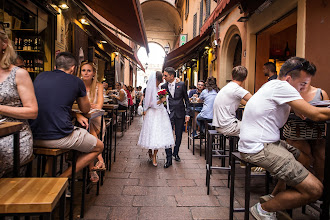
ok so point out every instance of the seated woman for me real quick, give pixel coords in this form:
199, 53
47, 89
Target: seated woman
17, 104
207, 97
121, 97
309, 137
87, 72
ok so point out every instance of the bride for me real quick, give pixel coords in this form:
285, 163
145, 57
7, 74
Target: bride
156, 132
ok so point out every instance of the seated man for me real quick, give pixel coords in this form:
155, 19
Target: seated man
260, 144
207, 97
56, 91
227, 102
269, 70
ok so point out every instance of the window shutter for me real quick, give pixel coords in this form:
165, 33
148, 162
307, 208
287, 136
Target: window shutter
201, 15
208, 8
187, 9
195, 25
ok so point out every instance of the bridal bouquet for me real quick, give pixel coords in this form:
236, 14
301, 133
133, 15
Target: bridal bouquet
161, 94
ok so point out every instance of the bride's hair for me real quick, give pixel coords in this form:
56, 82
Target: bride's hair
159, 76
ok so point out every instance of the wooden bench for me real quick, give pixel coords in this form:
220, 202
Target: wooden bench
32, 196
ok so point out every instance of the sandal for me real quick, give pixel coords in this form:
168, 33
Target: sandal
154, 160
99, 166
94, 177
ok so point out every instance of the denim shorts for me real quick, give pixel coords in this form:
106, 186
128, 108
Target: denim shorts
280, 159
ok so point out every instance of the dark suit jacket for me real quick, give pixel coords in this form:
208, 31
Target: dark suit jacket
179, 103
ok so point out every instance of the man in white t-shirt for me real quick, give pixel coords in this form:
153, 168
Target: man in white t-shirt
264, 115
227, 102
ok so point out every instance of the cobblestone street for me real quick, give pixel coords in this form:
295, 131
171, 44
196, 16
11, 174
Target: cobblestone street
135, 189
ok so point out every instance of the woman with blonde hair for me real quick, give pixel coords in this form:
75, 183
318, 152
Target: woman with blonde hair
87, 72
17, 104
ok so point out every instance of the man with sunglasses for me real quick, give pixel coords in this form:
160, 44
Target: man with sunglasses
264, 115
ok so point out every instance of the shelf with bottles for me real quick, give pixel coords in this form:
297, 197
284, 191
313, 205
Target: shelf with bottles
34, 65
28, 44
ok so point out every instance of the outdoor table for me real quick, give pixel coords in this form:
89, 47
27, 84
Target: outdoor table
111, 108
13, 128
32, 196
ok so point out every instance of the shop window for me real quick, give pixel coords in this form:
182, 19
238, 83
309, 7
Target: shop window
195, 25
31, 33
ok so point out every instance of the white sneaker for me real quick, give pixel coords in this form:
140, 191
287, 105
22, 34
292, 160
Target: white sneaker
262, 216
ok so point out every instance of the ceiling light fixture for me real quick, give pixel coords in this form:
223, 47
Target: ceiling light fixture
63, 5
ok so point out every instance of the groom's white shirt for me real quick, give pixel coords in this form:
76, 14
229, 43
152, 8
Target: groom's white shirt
171, 87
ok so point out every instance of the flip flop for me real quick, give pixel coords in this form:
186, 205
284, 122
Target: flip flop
99, 166
94, 177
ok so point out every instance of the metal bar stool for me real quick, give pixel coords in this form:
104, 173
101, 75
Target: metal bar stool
237, 156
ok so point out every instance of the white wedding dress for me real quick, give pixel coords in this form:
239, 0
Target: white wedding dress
156, 132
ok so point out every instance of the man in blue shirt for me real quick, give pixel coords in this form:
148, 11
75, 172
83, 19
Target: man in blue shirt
56, 92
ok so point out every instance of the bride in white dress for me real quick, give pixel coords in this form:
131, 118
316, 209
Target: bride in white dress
156, 132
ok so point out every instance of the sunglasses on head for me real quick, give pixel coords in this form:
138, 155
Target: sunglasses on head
301, 66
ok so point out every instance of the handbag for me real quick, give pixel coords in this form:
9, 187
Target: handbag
140, 110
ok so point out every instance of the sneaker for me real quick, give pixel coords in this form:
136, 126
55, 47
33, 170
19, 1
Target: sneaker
262, 216
265, 198
281, 215
68, 193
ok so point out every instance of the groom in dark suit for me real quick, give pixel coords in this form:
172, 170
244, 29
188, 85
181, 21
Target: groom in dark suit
178, 103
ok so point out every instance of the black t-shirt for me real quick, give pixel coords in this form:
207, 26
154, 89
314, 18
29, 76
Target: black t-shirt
55, 91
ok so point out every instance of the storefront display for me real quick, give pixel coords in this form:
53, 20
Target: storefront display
26, 25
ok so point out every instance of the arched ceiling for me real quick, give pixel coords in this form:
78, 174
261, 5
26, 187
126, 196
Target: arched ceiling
162, 21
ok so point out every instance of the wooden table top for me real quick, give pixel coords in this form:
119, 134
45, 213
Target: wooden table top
110, 106
7, 128
30, 195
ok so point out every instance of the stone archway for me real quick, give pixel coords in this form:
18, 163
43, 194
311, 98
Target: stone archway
231, 52
162, 22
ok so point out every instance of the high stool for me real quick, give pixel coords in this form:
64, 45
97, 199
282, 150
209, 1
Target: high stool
201, 138
108, 143
41, 154
237, 156
123, 120
220, 152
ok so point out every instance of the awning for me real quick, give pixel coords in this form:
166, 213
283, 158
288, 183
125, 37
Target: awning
125, 15
184, 53
115, 42
226, 6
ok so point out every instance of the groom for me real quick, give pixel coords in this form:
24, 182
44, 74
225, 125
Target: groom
178, 103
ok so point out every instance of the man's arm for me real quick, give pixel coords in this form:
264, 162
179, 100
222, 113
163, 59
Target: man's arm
246, 98
84, 104
314, 113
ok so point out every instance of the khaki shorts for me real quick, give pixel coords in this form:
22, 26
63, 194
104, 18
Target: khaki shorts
80, 139
280, 159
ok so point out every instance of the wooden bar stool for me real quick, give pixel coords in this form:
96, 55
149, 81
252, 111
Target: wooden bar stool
237, 156
32, 196
53, 153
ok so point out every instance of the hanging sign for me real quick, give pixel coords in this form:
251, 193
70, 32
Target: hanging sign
183, 39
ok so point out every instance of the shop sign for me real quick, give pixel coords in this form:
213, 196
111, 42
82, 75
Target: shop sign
183, 39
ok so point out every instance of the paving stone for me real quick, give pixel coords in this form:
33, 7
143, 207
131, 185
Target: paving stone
182, 182
197, 191
97, 212
135, 190
122, 182
206, 200
164, 191
108, 189
164, 213
210, 213
153, 182
154, 201
115, 175
124, 213
114, 200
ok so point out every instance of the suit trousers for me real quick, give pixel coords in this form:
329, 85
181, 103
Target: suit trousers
178, 125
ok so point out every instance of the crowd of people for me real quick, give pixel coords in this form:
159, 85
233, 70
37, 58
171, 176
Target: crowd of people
45, 108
